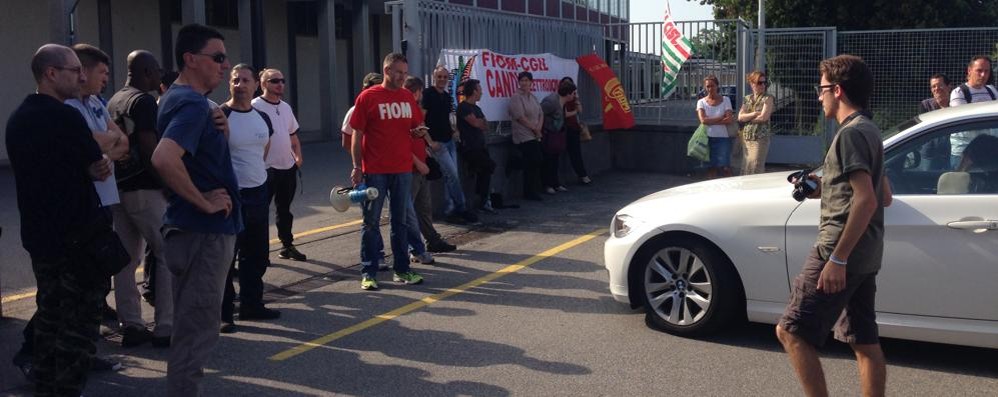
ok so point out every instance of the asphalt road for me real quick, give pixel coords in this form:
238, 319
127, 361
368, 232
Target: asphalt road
522, 308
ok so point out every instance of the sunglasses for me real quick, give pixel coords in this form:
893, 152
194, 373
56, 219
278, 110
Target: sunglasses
218, 58
762, 82
275, 81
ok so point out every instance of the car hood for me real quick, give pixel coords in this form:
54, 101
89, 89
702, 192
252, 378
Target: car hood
772, 184
718, 207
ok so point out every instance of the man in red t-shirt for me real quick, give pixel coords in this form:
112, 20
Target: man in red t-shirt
384, 120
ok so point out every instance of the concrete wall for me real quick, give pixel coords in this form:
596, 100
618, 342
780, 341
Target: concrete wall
24, 27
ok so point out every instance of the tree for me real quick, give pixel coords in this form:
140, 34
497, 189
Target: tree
877, 14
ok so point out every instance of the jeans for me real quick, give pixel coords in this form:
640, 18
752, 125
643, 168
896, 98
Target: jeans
574, 144
453, 193
412, 230
531, 156
252, 250
397, 188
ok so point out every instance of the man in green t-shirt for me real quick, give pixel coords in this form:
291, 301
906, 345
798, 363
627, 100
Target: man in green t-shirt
837, 285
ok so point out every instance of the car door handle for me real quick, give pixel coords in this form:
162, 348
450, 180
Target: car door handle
974, 225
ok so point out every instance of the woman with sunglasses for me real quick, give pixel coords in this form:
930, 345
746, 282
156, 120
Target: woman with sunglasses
755, 112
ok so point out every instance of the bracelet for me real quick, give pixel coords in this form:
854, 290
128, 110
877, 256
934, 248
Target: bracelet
356, 167
837, 261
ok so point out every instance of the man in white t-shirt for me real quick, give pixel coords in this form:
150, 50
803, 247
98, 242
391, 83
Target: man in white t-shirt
249, 141
284, 158
974, 90
114, 144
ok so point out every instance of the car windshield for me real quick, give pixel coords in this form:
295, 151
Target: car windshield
901, 127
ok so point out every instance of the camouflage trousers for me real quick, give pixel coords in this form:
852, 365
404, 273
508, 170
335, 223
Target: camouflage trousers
66, 322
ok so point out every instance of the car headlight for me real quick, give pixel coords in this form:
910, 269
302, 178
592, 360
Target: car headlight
622, 225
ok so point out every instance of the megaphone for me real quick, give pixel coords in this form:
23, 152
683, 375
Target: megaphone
341, 197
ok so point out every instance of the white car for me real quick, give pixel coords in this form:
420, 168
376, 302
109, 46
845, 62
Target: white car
701, 255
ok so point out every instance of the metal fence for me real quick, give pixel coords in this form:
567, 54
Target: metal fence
439, 26
903, 60
792, 58
635, 55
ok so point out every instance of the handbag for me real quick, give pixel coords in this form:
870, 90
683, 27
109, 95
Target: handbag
698, 147
584, 134
102, 245
732, 129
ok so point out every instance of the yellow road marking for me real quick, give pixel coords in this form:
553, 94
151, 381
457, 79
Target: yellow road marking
31, 294
320, 230
419, 304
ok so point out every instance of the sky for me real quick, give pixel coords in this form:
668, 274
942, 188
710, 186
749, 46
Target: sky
682, 10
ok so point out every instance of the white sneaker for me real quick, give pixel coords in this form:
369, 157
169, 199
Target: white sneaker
549, 190
561, 189
425, 258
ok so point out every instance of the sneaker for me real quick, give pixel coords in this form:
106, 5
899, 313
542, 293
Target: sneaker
409, 277
290, 252
258, 313
368, 283
150, 297
425, 258
561, 188
585, 180
487, 208
549, 190
227, 328
132, 336
440, 246
100, 364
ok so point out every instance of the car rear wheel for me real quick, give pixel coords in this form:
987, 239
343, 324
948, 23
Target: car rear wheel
687, 287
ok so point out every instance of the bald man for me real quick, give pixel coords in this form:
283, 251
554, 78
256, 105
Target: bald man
55, 161
139, 217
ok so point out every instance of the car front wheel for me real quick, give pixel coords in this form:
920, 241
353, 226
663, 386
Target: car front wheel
688, 288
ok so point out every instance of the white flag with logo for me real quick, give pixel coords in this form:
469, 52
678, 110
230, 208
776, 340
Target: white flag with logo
676, 49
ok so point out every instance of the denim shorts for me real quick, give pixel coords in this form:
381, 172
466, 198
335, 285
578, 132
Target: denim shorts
720, 151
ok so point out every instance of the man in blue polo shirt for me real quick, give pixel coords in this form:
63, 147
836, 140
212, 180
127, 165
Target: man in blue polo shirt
203, 216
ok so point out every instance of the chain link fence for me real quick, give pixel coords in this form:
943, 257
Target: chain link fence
792, 57
903, 60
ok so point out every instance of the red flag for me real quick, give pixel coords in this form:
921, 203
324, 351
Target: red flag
616, 109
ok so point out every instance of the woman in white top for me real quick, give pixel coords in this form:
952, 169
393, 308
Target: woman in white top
716, 113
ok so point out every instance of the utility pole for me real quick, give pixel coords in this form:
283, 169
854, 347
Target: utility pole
760, 58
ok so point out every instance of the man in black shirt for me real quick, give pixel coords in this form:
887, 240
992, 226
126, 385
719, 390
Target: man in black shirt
140, 215
472, 125
438, 105
55, 161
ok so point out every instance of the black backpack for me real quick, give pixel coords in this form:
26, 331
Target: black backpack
965, 90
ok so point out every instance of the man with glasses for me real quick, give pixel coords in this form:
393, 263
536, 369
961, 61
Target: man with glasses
55, 161
837, 286
284, 158
439, 106
204, 214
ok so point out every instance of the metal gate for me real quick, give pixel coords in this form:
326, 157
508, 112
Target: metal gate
635, 56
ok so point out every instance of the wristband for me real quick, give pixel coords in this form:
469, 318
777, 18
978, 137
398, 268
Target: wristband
837, 261
356, 167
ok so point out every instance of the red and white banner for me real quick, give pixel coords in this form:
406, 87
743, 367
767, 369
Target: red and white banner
616, 108
497, 72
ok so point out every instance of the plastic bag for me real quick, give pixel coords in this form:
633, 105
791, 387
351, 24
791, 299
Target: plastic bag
697, 147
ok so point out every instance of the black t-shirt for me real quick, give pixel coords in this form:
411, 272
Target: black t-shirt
134, 110
438, 106
50, 148
472, 138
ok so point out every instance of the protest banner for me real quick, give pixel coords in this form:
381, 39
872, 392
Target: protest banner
497, 73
